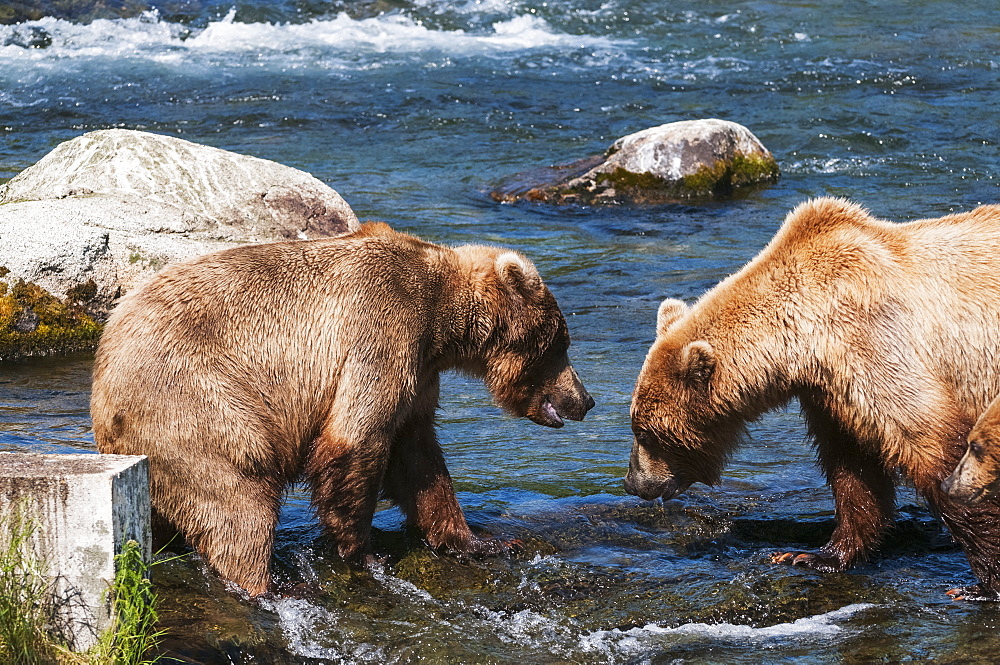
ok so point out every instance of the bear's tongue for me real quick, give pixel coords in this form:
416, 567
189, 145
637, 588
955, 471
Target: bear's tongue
551, 411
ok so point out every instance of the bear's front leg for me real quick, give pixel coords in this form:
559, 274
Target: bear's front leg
864, 496
975, 527
418, 481
345, 473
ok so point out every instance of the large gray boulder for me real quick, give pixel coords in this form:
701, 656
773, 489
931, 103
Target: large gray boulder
676, 161
102, 212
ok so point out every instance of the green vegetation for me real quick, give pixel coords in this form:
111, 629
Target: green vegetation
24, 595
726, 175
35, 322
133, 633
26, 606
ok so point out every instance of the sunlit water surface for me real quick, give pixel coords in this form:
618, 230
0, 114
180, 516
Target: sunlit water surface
412, 111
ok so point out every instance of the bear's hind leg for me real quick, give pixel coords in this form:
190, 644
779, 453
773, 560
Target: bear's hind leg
864, 495
418, 481
231, 526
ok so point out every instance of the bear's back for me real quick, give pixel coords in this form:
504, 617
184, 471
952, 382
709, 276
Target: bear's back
253, 293
258, 333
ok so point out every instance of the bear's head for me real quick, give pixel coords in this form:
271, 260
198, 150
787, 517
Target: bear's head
977, 475
682, 434
522, 342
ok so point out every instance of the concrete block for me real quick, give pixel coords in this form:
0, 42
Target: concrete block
86, 507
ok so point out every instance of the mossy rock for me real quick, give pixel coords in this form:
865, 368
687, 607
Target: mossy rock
33, 322
719, 180
441, 574
677, 162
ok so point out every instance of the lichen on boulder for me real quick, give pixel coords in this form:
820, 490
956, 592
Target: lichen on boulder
679, 161
34, 322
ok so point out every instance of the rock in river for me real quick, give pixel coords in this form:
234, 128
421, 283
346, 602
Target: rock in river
673, 162
102, 212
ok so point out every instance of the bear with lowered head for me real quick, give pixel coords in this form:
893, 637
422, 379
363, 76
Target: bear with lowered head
241, 371
887, 336
977, 475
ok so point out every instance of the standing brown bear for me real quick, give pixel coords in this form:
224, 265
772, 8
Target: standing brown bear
240, 371
888, 336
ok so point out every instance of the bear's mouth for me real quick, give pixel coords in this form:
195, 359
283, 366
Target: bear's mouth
546, 414
551, 412
973, 497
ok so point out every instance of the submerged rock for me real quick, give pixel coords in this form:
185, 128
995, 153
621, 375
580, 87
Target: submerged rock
673, 162
102, 212
78, 11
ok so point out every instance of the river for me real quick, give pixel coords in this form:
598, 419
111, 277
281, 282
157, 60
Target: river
413, 110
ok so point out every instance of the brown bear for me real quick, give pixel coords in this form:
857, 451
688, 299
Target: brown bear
887, 334
977, 475
239, 371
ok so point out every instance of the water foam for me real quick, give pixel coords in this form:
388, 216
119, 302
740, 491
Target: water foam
301, 620
636, 640
150, 37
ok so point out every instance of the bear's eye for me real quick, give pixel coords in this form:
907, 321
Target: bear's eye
976, 449
641, 436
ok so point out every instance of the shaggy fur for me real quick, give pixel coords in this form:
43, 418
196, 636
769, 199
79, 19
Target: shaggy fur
977, 475
885, 333
240, 371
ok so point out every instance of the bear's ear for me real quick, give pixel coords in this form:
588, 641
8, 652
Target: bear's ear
670, 310
518, 273
698, 362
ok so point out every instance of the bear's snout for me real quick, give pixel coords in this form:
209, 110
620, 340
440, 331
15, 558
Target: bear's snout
648, 488
963, 485
577, 405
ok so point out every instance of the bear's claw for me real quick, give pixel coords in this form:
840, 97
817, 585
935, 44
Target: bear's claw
513, 546
816, 561
974, 593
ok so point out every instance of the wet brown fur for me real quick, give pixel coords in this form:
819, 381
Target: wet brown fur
886, 334
240, 371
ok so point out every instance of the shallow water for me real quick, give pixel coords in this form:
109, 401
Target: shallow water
412, 111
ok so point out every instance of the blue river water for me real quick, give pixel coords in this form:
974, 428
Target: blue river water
413, 110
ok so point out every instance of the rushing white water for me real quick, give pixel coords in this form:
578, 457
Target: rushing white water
149, 37
648, 638
301, 621
307, 626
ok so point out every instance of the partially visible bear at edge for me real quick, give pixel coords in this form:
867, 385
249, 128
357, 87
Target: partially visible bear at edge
239, 371
977, 475
889, 337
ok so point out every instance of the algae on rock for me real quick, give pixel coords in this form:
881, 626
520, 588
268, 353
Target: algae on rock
34, 322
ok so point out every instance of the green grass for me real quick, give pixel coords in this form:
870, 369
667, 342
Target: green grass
26, 607
133, 633
24, 594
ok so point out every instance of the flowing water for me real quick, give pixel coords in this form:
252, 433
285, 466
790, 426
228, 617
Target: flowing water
413, 110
